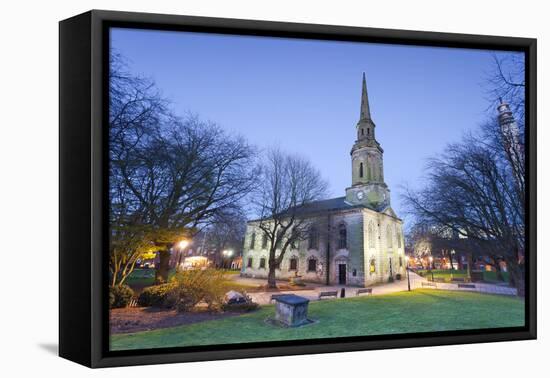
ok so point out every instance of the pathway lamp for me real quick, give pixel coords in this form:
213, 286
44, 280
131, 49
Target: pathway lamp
407, 268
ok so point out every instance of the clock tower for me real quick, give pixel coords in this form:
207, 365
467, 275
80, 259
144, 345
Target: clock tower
368, 187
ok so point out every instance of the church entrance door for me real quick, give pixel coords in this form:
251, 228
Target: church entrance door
341, 274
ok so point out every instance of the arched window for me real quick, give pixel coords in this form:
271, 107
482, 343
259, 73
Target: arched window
389, 239
293, 263
362, 131
252, 240
264, 241
312, 264
399, 237
370, 235
368, 131
262, 263
313, 238
372, 265
342, 236
360, 169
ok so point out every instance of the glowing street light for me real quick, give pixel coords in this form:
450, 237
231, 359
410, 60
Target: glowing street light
227, 253
183, 244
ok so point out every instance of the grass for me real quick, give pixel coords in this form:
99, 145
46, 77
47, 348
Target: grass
416, 311
448, 274
142, 278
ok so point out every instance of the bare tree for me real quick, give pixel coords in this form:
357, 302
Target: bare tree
226, 231
506, 82
171, 175
471, 192
287, 184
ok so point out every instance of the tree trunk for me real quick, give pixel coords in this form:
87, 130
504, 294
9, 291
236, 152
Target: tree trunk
517, 278
469, 267
499, 270
163, 268
271, 281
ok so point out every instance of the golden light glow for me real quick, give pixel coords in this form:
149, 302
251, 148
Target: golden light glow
183, 244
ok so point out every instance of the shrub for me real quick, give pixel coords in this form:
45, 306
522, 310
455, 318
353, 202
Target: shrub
194, 286
120, 296
155, 295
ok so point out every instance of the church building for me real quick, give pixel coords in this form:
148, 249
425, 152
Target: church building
356, 239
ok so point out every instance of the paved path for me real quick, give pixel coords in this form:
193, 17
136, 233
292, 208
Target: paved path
416, 281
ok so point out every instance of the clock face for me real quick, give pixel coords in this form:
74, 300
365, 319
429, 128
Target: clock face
360, 195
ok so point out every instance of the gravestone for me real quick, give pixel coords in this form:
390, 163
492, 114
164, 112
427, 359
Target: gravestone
291, 310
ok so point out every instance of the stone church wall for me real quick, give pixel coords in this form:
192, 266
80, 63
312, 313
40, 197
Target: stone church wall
381, 246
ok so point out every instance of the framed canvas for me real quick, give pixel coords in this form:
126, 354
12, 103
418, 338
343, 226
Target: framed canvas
234, 188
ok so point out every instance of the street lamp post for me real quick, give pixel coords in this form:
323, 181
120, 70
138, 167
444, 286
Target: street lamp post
227, 253
408, 278
431, 267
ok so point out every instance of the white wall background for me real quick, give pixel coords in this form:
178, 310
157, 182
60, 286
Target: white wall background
29, 184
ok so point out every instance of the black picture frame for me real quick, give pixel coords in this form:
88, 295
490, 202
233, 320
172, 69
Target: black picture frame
83, 295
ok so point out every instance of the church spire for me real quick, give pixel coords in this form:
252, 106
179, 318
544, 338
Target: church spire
365, 126
365, 109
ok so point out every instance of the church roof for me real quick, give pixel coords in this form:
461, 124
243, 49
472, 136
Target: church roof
336, 204
331, 204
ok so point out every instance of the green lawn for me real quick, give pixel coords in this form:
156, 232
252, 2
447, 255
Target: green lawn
416, 311
448, 274
142, 278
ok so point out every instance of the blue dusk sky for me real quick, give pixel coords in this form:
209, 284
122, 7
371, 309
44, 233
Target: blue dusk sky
304, 95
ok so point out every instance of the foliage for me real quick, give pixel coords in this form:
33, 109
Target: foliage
155, 295
120, 296
194, 286
411, 312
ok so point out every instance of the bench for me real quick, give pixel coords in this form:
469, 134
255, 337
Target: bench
274, 297
458, 279
432, 284
367, 291
467, 286
439, 279
328, 294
